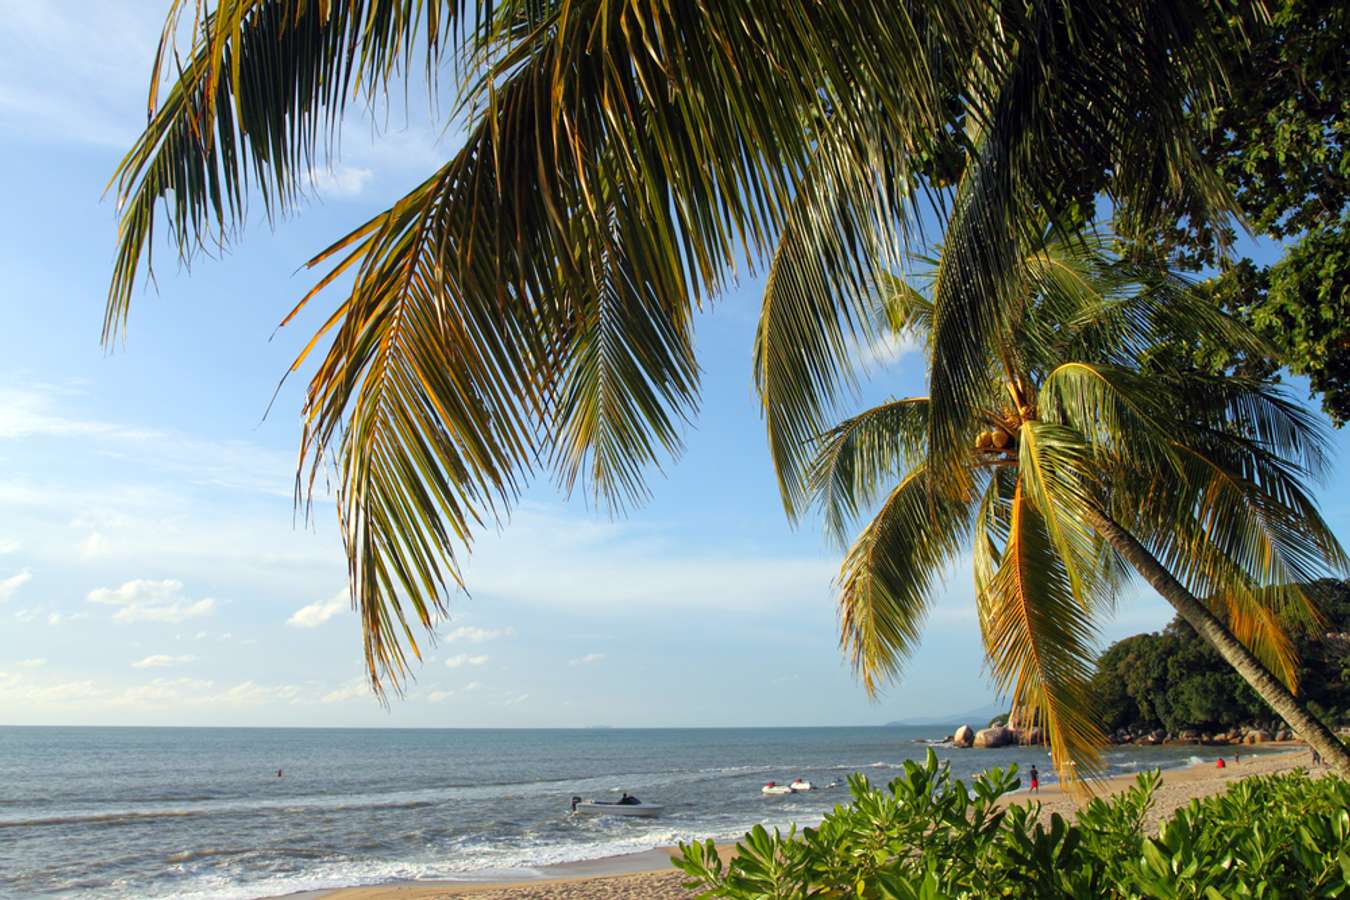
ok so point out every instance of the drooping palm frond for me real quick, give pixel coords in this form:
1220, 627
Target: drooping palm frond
1041, 642
255, 108
861, 454
1056, 473
629, 373
891, 572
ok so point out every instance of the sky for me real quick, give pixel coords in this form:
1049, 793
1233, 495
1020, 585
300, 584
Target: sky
154, 570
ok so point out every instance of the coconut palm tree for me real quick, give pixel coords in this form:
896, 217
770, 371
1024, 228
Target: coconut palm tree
1082, 466
527, 307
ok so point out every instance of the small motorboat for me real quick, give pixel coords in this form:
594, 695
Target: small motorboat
801, 784
616, 808
773, 789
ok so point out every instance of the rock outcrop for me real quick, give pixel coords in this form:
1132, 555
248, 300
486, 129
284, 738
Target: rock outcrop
997, 736
963, 737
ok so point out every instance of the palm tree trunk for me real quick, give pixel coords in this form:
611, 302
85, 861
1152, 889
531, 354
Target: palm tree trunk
1208, 626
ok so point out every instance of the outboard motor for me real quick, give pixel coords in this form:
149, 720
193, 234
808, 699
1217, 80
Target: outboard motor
575, 801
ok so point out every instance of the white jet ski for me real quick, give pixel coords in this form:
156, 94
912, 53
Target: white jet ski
615, 808
774, 789
801, 784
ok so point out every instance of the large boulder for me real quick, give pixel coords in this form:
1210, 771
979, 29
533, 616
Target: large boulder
1284, 735
964, 736
1027, 736
1187, 736
1258, 737
997, 736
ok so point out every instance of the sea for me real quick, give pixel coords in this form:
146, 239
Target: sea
201, 812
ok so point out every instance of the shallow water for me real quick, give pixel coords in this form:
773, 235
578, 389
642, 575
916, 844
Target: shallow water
184, 812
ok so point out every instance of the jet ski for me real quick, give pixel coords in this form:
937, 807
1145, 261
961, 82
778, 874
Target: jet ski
801, 784
616, 808
775, 789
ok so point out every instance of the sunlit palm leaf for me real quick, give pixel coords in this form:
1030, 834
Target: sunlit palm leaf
1042, 643
859, 455
891, 573
255, 107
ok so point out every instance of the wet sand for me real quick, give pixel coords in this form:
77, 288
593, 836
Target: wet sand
648, 876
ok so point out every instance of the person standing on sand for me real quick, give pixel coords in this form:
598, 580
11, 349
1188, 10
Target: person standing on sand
1317, 758
1035, 781
1220, 763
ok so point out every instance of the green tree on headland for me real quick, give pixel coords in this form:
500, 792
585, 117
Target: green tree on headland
527, 309
1077, 468
1173, 680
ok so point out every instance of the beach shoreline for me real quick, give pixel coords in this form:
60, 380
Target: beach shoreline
647, 875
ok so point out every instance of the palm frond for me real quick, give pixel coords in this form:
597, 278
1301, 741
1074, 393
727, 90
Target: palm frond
1057, 475
1041, 641
627, 381
254, 108
861, 453
891, 572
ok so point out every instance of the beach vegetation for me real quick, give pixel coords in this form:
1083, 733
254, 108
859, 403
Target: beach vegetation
526, 310
928, 836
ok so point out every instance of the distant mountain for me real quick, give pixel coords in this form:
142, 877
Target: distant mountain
975, 718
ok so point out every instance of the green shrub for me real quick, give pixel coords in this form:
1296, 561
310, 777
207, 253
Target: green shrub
929, 836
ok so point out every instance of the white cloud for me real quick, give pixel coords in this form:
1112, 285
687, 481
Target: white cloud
888, 349
8, 545
10, 585
145, 600
60, 618
161, 661
471, 687
586, 566
477, 635
320, 611
518, 698
586, 660
36, 662
93, 546
465, 659
439, 696
351, 690
340, 181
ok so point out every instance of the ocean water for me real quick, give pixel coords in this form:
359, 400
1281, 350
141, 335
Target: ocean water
184, 812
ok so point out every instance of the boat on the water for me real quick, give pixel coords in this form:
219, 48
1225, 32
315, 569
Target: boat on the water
616, 808
801, 784
774, 789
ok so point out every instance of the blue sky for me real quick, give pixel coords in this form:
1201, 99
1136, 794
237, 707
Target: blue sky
151, 567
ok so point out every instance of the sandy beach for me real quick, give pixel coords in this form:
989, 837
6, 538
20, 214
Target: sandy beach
647, 876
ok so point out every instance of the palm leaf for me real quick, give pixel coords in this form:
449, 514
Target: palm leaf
1041, 641
862, 452
891, 572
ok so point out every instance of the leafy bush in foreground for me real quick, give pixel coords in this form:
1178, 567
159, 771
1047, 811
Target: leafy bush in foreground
928, 836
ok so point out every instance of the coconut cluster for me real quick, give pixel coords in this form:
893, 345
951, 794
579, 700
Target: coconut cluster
1001, 439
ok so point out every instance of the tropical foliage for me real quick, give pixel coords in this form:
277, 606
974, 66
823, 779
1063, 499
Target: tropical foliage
1281, 144
927, 836
1173, 680
1074, 460
526, 309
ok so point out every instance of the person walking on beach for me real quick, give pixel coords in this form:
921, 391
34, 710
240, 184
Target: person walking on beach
1317, 758
1035, 780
